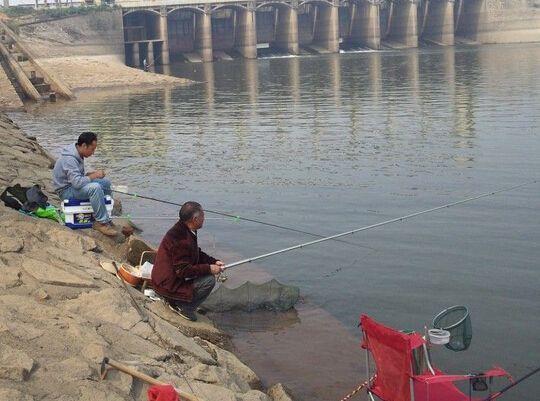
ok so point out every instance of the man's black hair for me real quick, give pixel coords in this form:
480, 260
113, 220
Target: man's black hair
188, 211
86, 138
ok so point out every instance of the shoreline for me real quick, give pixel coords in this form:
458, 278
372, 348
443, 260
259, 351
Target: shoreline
61, 312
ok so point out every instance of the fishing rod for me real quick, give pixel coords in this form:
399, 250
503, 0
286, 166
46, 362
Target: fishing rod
383, 223
511, 385
265, 223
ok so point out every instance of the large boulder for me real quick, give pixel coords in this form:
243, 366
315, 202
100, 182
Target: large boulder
278, 392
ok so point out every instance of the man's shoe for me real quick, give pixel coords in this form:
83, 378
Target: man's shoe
105, 229
186, 314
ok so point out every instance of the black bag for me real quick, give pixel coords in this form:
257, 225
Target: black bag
26, 199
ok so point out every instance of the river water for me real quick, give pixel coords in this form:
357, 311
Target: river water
331, 143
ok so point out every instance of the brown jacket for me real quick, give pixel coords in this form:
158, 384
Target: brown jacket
178, 261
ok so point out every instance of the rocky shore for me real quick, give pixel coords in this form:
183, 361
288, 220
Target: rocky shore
61, 313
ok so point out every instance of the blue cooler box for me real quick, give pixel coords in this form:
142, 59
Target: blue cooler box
79, 213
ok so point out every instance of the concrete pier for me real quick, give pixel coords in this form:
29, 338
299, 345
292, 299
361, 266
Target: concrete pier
403, 24
245, 32
203, 36
164, 35
365, 27
150, 54
326, 28
136, 57
469, 15
286, 30
438, 22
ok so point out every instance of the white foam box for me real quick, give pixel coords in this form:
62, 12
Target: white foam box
79, 213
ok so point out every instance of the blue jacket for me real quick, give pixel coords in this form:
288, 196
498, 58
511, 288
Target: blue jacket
69, 170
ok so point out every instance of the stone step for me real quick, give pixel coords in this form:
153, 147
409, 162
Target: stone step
43, 88
19, 56
36, 80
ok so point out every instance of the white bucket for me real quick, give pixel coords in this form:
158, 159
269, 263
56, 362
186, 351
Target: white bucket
438, 336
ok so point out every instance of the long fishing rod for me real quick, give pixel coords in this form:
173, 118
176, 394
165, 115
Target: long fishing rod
236, 217
291, 248
508, 387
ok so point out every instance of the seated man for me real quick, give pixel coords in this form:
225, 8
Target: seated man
71, 181
182, 273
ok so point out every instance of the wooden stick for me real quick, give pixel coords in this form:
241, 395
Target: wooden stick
139, 375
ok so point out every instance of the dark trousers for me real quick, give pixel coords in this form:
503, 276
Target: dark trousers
202, 287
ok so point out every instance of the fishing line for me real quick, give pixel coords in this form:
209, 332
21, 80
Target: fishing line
402, 218
238, 218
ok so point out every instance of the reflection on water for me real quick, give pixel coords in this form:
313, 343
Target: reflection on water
335, 142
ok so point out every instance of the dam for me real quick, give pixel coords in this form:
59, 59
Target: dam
203, 31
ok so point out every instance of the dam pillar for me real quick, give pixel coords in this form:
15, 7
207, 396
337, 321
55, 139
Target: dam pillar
326, 29
438, 22
403, 23
150, 54
365, 27
203, 36
136, 55
286, 31
246, 32
164, 35
470, 14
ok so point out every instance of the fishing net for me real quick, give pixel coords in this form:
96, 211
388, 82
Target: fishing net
457, 321
248, 297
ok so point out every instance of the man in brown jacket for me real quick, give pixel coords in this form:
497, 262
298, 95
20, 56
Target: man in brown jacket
183, 274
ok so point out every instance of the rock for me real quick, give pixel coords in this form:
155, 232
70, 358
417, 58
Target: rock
125, 342
48, 274
41, 295
106, 306
95, 352
202, 328
217, 375
121, 381
21, 330
210, 392
73, 369
278, 392
10, 277
254, 395
10, 244
9, 394
90, 391
180, 342
65, 238
14, 364
233, 365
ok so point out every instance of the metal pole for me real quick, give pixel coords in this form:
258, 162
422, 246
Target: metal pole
383, 223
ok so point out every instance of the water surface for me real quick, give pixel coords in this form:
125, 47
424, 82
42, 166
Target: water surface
331, 143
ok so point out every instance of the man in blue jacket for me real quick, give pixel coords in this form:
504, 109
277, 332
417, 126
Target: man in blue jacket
71, 181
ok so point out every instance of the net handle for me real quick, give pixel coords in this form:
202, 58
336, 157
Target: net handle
452, 308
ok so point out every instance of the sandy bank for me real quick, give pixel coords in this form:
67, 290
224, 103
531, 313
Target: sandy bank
94, 72
60, 313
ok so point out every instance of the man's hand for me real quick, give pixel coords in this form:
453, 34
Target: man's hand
96, 174
217, 268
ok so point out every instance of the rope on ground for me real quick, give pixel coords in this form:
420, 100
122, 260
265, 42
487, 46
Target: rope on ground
357, 389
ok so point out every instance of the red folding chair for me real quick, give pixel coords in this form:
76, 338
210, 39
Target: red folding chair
403, 371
